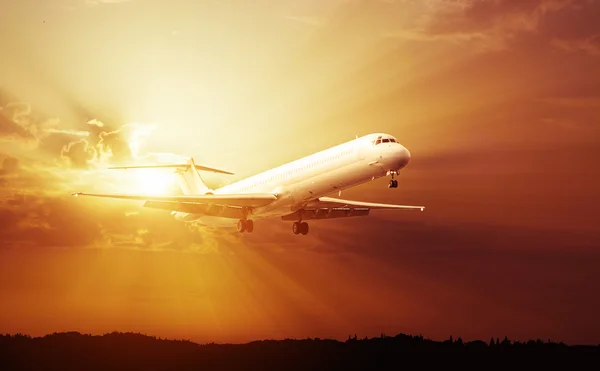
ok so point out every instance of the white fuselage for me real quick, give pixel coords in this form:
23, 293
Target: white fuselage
298, 182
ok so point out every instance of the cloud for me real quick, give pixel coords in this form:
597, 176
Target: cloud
34, 199
79, 154
124, 143
35, 208
19, 123
14, 122
45, 221
77, 133
100, 149
97, 143
9, 168
10, 165
490, 25
95, 122
30, 219
590, 45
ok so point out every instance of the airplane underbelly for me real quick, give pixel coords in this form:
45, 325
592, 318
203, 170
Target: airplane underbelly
293, 196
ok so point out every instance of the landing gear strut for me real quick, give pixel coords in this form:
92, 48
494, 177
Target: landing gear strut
300, 228
393, 182
245, 225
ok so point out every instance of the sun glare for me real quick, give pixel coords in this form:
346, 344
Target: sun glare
151, 181
139, 133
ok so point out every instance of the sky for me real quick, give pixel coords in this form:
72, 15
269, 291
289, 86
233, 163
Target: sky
498, 102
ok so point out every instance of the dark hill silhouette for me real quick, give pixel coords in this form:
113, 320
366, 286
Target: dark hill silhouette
130, 351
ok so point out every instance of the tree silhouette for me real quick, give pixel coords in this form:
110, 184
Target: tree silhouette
130, 351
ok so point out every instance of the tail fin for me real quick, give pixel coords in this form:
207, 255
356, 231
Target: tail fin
190, 181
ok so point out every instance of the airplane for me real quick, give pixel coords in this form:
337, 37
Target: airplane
296, 191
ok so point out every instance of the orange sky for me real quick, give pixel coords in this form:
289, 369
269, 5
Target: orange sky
498, 102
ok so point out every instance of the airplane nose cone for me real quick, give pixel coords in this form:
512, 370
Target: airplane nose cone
407, 155
403, 157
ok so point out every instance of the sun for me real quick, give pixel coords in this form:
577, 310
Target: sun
152, 181
146, 181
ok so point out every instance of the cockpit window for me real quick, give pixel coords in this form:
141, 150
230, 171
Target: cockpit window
381, 139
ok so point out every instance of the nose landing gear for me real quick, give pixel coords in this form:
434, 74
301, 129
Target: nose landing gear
393, 182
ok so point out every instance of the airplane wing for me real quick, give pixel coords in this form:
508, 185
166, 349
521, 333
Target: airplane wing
329, 202
329, 208
231, 200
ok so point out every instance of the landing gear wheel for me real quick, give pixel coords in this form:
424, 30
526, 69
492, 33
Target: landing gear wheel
249, 226
241, 226
245, 226
304, 228
300, 228
393, 182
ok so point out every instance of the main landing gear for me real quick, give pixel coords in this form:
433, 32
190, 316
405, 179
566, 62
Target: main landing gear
300, 228
245, 225
393, 182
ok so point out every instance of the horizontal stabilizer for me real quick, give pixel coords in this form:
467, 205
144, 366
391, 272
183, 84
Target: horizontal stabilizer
174, 166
